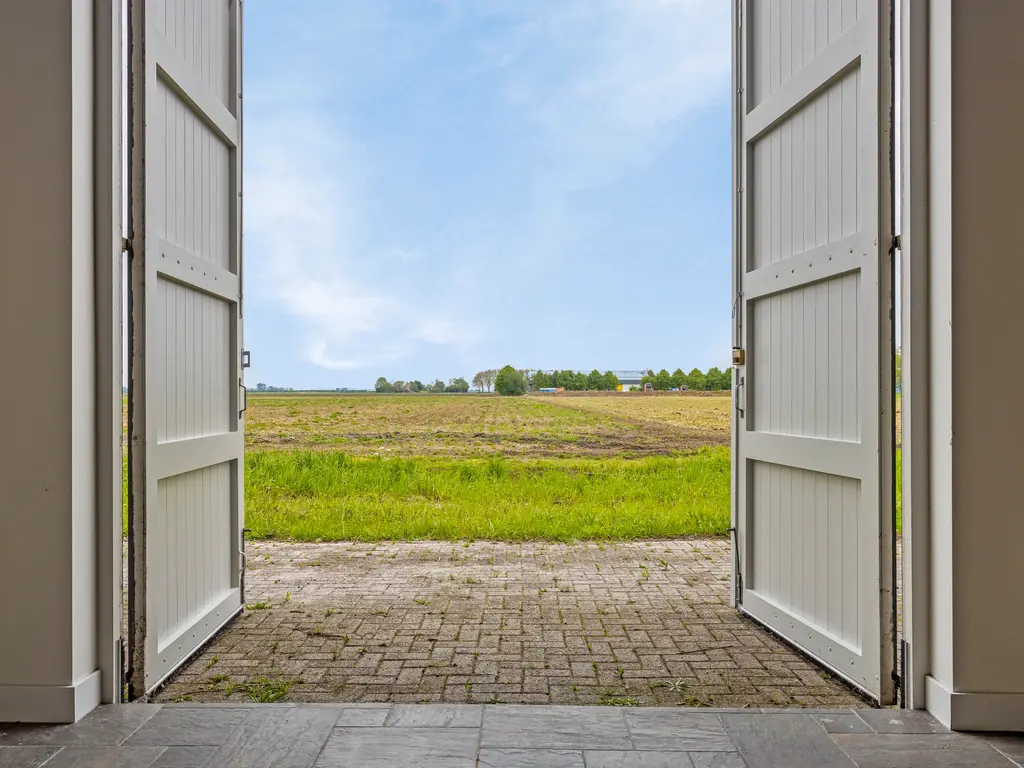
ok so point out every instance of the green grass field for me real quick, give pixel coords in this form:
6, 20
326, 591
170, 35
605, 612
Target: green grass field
331, 496
378, 467
372, 468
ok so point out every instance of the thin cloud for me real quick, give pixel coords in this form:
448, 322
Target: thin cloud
304, 211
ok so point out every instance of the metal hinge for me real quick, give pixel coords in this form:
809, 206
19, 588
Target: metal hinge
897, 243
126, 245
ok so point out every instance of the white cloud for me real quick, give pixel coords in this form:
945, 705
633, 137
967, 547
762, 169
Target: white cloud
303, 209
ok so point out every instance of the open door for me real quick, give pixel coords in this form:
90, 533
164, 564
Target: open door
812, 454
186, 396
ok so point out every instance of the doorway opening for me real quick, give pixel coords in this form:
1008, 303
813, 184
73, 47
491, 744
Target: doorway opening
423, 542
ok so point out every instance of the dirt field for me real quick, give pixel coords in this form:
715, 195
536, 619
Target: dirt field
621, 425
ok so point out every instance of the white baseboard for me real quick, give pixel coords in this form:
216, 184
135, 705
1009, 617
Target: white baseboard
974, 711
50, 703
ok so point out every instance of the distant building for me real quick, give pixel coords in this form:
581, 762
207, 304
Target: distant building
629, 379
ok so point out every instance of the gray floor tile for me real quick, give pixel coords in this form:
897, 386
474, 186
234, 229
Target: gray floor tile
530, 758
105, 757
841, 723
357, 747
436, 716
677, 730
612, 759
105, 726
1011, 745
525, 727
190, 726
364, 717
936, 750
901, 721
25, 757
717, 760
186, 757
278, 738
784, 741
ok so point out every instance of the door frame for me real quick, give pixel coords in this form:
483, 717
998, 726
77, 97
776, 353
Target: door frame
914, 124
108, 191
913, 227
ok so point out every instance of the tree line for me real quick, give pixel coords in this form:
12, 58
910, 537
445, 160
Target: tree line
714, 379
457, 384
517, 381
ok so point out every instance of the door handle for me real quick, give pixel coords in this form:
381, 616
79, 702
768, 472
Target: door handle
245, 398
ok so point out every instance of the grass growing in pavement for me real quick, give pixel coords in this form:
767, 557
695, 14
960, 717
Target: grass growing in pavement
332, 496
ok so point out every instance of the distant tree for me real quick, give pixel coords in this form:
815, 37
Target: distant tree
489, 377
457, 385
697, 380
662, 380
400, 386
611, 381
678, 378
595, 380
383, 385
261, 387
415, 386
542, 380
634, 388
437, 386
713, 379
509, 382
479, 381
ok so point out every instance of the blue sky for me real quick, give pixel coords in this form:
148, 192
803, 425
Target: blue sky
433, 187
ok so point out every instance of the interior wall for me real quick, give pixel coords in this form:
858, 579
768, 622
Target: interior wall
987, 275
47, 355
976, 454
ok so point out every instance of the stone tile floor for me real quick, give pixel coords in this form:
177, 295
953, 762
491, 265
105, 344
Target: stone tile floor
496, 736
638, 623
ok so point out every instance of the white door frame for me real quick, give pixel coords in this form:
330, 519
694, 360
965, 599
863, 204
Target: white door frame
914, 180
109, 207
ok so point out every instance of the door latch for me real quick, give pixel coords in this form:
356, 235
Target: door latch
246, 362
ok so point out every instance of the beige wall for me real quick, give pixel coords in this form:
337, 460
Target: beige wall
987, 278
47, 359
977, 419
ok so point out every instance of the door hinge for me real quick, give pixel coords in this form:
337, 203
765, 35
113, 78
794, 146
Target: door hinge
897, 243
126, 245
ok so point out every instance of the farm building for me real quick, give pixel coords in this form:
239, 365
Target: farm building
813, 317
629, 379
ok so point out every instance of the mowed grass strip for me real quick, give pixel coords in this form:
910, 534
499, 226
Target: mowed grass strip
334, 497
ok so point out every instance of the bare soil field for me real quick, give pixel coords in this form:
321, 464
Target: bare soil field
622, 425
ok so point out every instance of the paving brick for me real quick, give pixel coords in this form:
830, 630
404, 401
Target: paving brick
518, 623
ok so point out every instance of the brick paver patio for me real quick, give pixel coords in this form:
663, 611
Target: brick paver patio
640, 623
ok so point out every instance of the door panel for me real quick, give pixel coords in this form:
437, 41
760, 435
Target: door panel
185, 405
813, 448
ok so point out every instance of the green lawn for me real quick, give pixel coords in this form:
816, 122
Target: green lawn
331, 496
